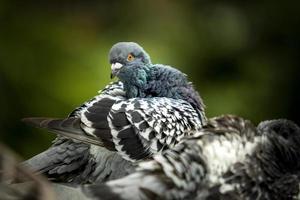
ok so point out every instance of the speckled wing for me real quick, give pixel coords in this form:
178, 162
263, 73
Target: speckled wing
136, 127
143, 126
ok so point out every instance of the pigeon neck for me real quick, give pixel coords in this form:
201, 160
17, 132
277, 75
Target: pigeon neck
135, 83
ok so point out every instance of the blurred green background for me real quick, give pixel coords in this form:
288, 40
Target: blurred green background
243, 57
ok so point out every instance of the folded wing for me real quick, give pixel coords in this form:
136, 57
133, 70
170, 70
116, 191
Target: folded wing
136, 128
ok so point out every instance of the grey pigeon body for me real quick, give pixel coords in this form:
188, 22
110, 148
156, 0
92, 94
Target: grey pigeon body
150, 109
228, 159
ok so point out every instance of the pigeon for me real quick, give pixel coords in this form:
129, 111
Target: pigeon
228, 159
271, 171
148, 110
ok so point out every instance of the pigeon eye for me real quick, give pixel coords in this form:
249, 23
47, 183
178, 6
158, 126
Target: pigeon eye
130, 57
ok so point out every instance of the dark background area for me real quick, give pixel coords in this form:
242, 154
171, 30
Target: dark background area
242, 57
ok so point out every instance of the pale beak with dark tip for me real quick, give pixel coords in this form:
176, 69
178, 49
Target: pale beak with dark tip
115, 68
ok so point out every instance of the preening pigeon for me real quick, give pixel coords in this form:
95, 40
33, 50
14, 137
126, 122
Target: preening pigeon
228, 159
151, 108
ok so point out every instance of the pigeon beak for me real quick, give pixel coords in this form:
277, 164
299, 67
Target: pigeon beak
115, 68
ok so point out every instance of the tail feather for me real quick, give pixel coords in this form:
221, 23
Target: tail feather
69, 127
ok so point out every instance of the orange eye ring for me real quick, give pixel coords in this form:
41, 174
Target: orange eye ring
130, 57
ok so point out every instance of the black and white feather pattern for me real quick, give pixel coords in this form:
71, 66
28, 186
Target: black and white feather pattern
136, 128
147, 126
228, 159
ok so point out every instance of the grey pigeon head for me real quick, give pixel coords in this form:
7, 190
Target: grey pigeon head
122, 55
